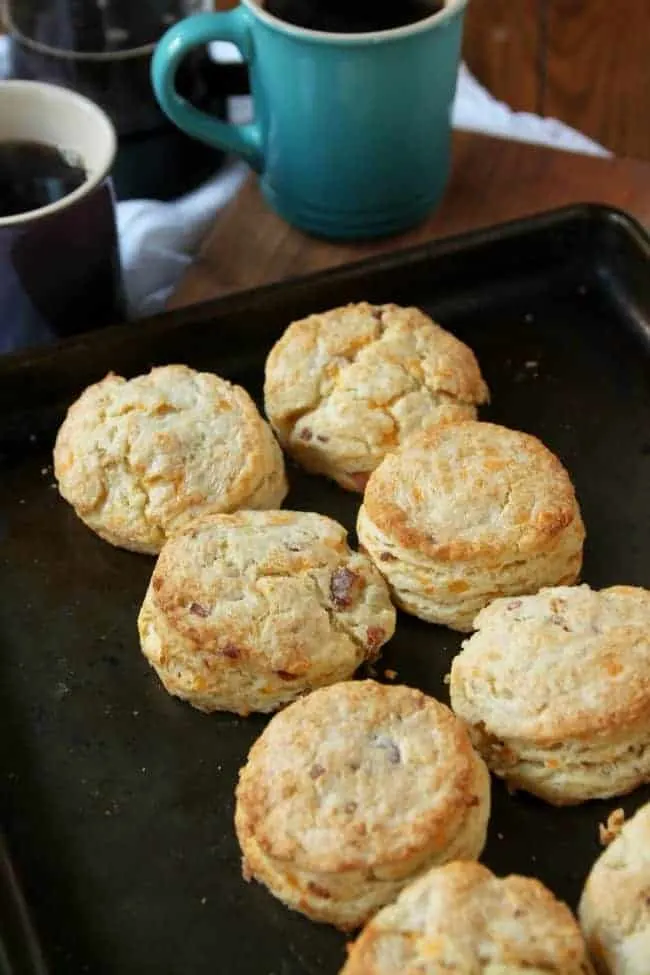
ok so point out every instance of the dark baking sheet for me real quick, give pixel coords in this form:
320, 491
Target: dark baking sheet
117, 800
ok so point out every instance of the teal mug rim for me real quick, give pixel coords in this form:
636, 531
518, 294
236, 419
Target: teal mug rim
450, 9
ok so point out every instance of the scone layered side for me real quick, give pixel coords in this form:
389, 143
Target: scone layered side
137, 459
614, 909
462, 918
464, 513
245, 612
351, 792
345, 387
556, 691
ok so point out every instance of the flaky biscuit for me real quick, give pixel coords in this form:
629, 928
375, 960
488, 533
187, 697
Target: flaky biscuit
461, 918
615, 905
555, 689
467, 512
137, 459
345, 387
354, 790
245, 612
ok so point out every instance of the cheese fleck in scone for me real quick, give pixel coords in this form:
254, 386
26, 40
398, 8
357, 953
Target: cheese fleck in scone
137, 459
346, 387
354, 790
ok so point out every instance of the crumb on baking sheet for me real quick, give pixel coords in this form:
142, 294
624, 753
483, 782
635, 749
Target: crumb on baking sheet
447, 679
390, 674
607, 832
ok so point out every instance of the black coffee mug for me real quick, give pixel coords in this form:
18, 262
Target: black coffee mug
59, 264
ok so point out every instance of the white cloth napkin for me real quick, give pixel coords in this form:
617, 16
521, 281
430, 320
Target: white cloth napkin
158, 240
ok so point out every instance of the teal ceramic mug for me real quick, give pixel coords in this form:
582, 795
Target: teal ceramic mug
352, 132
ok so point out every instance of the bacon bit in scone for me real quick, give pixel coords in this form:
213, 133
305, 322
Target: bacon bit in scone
306, 434
344, 588
322, 439
318, 890
387, 557
285, 675
514, 604
390, 674
375, 636
557, 620
157, 583
350, 808
391, 748
197, 610
474, 801
231, 651
294, 548
359, 480
607, 832
316, 771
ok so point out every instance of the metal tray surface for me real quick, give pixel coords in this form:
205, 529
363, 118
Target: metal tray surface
117, 800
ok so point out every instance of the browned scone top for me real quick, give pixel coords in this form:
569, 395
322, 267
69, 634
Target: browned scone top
555, 688
345, 387
139, 458
471, 490
460, 918
353, 790
466, 512
247, 611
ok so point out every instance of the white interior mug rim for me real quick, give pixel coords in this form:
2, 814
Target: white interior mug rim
95, 140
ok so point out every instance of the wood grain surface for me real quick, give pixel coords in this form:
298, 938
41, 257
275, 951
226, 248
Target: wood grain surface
587, 62
492, 180
598, 71
504, 46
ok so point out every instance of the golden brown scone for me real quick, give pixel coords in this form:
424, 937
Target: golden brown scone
467, 512
615, 906
245, 612
461, 919
353, 791
346, 387
139, 458
556, 691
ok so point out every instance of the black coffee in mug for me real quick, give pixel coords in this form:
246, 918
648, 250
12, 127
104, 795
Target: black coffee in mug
33, 175
352, 16
59, 261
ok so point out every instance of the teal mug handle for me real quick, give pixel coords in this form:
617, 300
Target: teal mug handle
175, 44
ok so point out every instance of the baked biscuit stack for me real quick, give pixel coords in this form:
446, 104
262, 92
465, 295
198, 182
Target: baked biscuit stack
360, 795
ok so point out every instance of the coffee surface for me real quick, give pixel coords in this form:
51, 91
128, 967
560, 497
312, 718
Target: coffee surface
352, 16
33, 175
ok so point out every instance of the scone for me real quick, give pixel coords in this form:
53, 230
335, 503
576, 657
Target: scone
352, 792
346, 387
555, 689
461, 918
467, 512
245, 612
137, 459
615, 906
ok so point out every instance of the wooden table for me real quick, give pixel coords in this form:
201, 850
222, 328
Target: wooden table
492, 180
